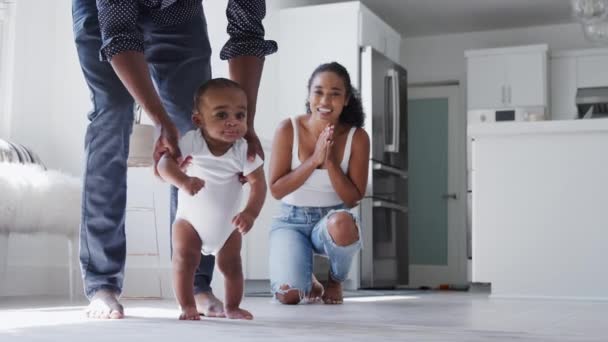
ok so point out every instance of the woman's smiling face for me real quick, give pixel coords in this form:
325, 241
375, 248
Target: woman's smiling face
327, 96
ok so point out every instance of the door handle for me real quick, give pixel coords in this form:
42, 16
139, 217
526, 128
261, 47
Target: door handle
449, 196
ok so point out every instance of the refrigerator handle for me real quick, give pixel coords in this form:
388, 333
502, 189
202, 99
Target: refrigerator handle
394, 76
389, 205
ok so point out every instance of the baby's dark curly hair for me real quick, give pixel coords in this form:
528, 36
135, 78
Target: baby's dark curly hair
215, 83
352, 114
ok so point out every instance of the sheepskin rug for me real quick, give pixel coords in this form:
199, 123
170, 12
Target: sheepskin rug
34, 200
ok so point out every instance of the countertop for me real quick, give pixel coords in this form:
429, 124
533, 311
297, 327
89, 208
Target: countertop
502, 129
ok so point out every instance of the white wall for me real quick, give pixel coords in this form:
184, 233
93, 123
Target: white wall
441, 58
50, 98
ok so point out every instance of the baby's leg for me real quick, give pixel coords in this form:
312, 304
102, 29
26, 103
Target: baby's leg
186, 257
229, 261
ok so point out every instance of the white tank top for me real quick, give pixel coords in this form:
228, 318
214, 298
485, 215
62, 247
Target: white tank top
317, 190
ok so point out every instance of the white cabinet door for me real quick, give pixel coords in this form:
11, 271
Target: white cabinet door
563, 88
393, 45
371, 31
374, 32
526, 79
592, 71
486, 84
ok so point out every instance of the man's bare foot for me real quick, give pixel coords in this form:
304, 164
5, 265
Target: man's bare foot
238, 313
105, 305
316, 291
208, 305
189, 314
333, 292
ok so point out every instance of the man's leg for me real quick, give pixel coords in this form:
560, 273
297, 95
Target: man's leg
179, 58
102, 231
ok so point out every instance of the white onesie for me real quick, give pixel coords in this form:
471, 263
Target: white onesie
211, 210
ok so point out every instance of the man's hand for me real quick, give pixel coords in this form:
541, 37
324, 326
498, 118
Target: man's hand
253, 145
167, 142
243, 222
242, 179
192, 185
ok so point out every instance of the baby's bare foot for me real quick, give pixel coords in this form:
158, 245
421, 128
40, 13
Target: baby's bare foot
333, 292
105, 305
238, 313
208, 305
189, 314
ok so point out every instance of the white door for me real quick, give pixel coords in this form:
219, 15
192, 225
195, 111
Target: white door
486, 82
526, 79
437, 187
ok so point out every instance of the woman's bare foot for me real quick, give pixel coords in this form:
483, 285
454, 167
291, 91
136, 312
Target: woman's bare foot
189, 314
238, 313
316, 292
105, 305
208, 305
333, 292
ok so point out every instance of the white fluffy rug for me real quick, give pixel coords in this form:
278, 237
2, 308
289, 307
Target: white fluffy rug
36, 200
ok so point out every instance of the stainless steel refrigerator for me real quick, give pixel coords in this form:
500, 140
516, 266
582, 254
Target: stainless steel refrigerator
384, 209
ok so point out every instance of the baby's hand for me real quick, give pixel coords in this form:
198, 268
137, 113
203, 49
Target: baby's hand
184, 163
192, 185
243, 221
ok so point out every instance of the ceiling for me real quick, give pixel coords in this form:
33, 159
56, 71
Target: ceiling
431, 17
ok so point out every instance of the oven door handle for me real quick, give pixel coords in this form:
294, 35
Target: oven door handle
389, 169
389, 205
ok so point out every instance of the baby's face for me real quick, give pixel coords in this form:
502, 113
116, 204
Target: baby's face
224, 114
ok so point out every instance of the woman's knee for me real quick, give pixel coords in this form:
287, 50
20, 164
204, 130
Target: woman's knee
343, 229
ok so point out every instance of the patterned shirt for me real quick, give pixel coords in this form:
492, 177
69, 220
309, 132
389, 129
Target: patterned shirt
119, 30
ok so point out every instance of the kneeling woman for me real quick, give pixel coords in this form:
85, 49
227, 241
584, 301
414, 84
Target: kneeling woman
319, 169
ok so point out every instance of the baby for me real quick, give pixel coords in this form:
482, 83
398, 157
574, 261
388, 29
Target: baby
209, 194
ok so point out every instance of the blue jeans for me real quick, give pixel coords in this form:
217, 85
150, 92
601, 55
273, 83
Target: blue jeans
179, 61
297, 233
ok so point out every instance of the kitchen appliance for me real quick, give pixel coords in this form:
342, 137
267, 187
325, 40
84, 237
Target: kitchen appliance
592, 102
506, 114
383, 210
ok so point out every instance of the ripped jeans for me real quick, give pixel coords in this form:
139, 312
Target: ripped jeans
297, 233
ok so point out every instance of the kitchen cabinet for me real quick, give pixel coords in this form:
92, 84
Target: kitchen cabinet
507, 77
592, 71
374, 32
573, 69
540, 232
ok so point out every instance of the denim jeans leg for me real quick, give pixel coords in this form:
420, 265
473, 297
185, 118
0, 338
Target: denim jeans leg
290, 258
340, 257
179, 57
102, 229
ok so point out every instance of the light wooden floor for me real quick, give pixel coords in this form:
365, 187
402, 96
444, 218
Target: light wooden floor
419, 316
